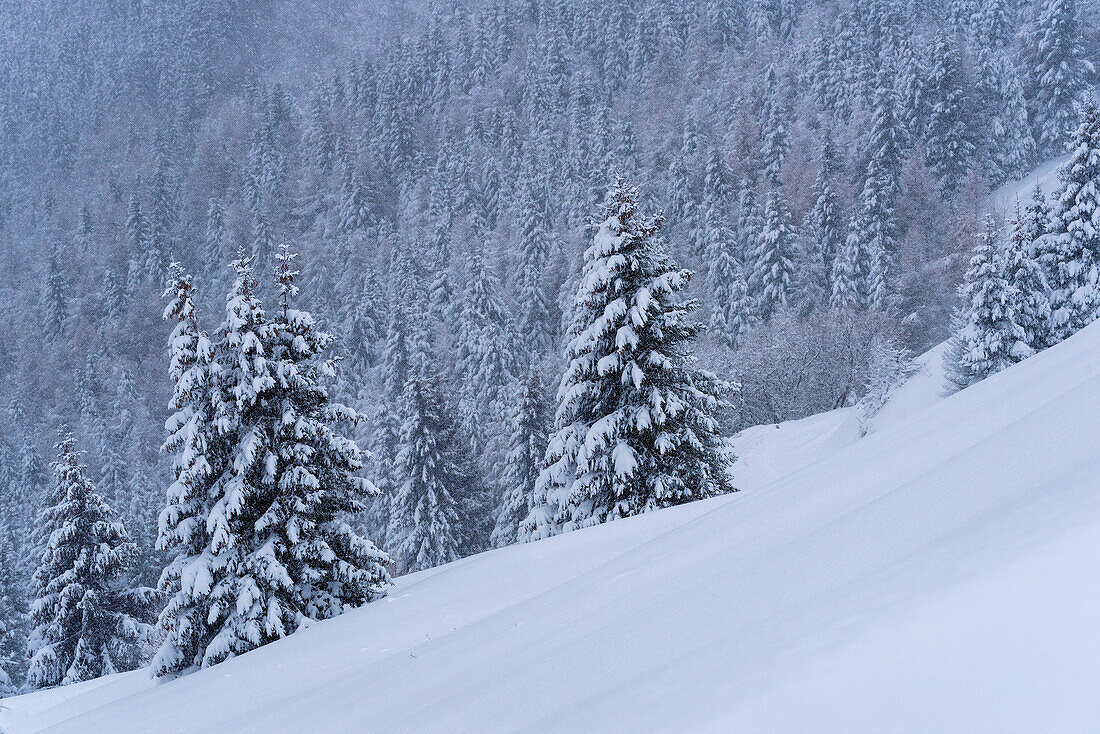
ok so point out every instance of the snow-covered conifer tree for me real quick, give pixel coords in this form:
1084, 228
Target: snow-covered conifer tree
200, 452
311, 472
635, 427
1069, 252
950, 148
83, 628
530, 421
429, 524
862, 271
987, 338
274, 547
1032, 294
536, 317
13, 618
1009, 148
1036, 216
1058, 72
824, 236
773, 260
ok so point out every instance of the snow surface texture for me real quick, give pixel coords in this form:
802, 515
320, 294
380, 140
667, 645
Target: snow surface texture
1005, 196
935, 575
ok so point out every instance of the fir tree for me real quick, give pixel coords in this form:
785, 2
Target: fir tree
1058, 72
82, 609
277, 549
635, 427
55, 297
1032, 294
987, 337
773, 260
825, 235
776, 137
13, 617
536, 312
1069, 251
1036, 216
302, 532
200, 452
429, 523
1009, 146
950, 150
530, 420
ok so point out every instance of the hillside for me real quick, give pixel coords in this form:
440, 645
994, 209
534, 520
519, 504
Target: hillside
936, 575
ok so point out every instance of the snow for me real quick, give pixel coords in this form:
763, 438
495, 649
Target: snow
1004, 197
937, 574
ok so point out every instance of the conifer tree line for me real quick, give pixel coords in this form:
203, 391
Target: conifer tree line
819, 166
1037, 281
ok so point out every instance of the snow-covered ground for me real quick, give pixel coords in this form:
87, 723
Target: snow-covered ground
1004, 197
938, 574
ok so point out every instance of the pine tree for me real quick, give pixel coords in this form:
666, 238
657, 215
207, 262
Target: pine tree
987, 337
215, 242
200, 452
82, 609
313, 471
1058, 72
530, 420
1069, 251
862, 272
776, 137
1037, 216
1009, 147
137, 233
55, 298
635, 427
950, 150
163, 216
773, 259
1032, 294
13, 617
536, 317
486, 356
275, 548
429, 523
825, 236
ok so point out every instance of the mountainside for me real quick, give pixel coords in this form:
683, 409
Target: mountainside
935, 575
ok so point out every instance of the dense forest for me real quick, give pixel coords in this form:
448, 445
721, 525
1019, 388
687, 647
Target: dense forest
806, 180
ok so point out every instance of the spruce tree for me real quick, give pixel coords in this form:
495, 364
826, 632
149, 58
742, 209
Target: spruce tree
635, 427
773, 260
200, 451
824, 236
862, 271
1036, 216
429, 521
82, 610
55, 297
530, 420
303, 532
13, 616
536, 317
987, 338
1032, 294
275, 548
950, 149
1070, 251
1009, 147
1058, 72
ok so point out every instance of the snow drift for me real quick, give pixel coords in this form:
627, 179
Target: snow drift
936, 575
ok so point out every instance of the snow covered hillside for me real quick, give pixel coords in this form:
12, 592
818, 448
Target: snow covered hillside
936, 575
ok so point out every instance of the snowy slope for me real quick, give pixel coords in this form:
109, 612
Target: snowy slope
938, 574
1004, 198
